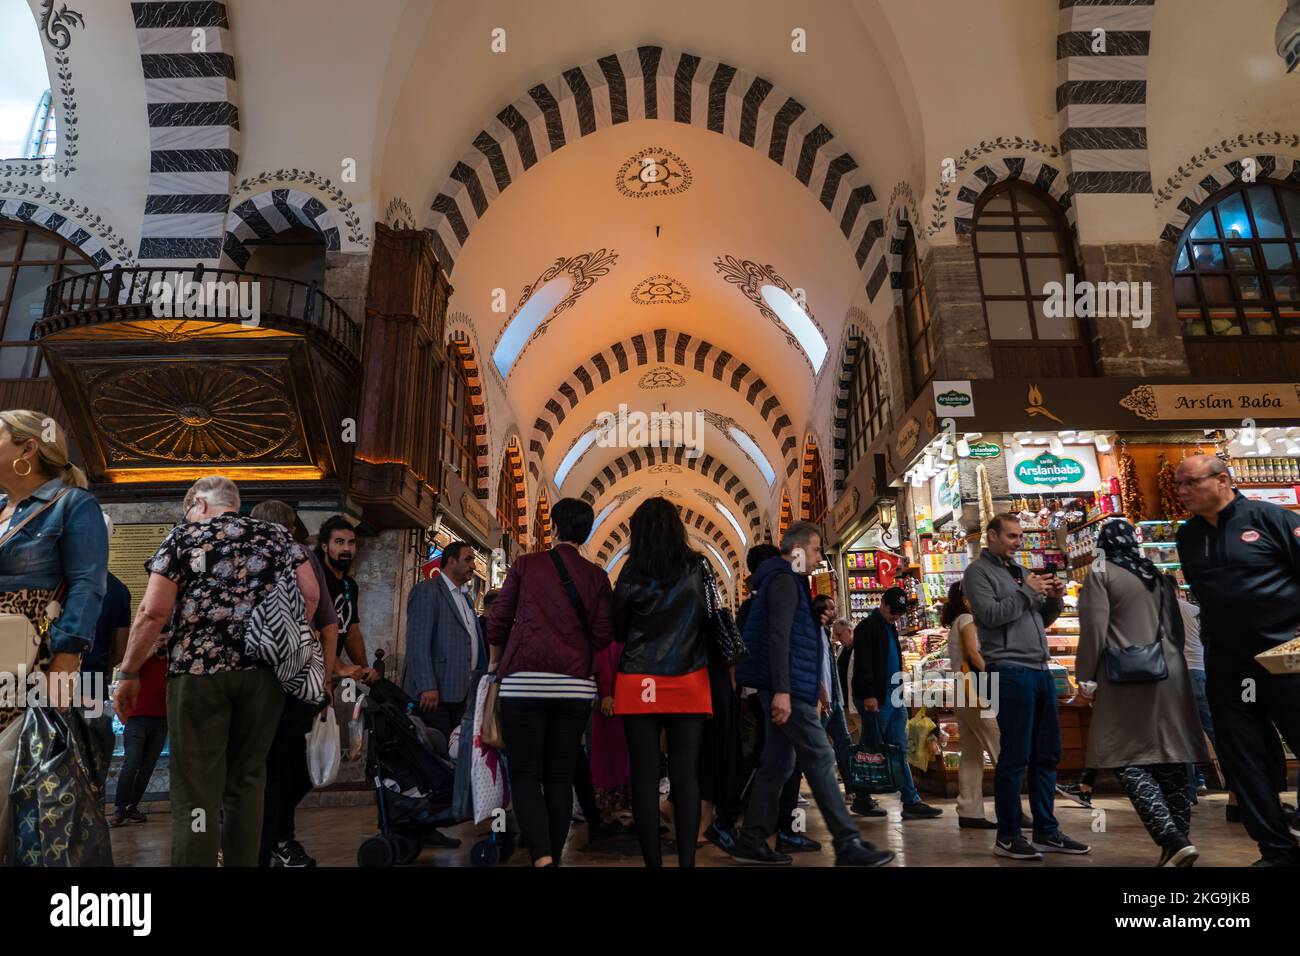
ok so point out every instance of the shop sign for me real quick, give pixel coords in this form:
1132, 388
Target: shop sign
476, 516
1245, 400
1284, 496
843, 512
945, 493
1076, 470
985, 449
908, 435
954, 400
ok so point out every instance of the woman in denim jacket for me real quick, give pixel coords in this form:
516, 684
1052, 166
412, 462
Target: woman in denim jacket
67, 542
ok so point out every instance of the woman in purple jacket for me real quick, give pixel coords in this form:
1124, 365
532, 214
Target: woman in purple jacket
552, 618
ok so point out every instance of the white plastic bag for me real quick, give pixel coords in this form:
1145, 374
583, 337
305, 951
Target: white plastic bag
488, 781
323, 750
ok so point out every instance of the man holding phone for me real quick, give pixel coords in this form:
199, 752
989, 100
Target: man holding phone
1013, 607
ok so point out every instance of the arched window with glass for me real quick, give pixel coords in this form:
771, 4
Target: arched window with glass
31, 259
458, 421
868, 411
917, 327
1022, 244
1237, 265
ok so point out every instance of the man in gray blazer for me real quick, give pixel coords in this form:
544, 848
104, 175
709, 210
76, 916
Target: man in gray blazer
444, 643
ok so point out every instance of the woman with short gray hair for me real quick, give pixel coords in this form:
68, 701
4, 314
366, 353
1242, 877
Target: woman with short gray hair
223, 706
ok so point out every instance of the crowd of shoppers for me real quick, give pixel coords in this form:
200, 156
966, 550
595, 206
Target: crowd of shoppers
606, 691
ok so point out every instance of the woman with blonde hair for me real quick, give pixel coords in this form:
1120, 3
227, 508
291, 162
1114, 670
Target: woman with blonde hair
53, 542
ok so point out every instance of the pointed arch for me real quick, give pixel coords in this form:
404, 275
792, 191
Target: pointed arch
512, 493
652, 82
859, 334
270, 213
813, 500
660, 347
541, 537
463, 351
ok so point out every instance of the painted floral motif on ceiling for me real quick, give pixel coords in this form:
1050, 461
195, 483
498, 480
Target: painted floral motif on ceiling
1203, 160
661, 290
56, 29
356, 233
939, 205
399, 214
653, 171
750, 277
661, 376
585, 269
665, 468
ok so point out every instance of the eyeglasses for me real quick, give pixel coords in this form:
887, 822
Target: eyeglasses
1188, 482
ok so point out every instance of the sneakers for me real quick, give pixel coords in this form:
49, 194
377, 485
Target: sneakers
976, 823
291, 855
135, 816
120, 818
802, 801
747, 850
1177, 850
865, 806
860, 853
1075, 793
723, 839
920, 811
1058, 842
1017, 848
796, 843
1279, 859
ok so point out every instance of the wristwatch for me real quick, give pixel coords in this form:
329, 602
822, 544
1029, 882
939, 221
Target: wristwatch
128, 675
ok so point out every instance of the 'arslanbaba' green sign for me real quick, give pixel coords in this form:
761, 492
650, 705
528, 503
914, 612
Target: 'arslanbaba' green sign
1049, 470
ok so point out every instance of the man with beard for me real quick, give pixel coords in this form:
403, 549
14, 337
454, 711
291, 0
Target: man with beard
336, 547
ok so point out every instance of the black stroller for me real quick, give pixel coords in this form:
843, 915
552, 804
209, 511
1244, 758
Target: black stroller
407, 762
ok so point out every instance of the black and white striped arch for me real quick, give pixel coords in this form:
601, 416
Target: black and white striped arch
1029, 169
1267, 166
660, 347
273, 212
652, 82
193, 128
1101, 94
22, 211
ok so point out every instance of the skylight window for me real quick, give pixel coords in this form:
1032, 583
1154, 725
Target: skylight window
527, 319
732, 518
618, 556
795, 319
721, 563
751, 450
604, 513
577, 451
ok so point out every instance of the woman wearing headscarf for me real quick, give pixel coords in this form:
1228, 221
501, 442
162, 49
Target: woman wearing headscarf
1145, 729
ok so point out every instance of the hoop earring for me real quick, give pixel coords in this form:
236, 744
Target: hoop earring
21, 474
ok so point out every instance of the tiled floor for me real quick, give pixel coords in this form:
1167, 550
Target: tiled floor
332, 835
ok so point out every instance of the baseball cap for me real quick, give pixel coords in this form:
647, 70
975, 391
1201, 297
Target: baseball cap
895, 599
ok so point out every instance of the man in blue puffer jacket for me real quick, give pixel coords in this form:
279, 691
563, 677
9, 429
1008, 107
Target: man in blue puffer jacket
784, 664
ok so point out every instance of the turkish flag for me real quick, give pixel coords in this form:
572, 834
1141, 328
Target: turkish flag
429, 570
886, 568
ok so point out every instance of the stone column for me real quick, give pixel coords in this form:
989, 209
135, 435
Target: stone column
1121, 348
347, 275
957, 312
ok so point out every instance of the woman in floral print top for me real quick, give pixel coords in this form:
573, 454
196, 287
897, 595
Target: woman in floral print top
222, 567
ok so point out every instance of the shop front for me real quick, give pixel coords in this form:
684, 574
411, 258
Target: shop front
863, 542
1065, 459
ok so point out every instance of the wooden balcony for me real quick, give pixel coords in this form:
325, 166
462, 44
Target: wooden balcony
255, 377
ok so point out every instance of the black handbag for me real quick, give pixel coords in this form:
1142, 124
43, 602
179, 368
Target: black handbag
1141, 663
720, 629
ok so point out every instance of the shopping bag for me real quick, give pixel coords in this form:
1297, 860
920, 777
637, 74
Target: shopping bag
488, 780
323, 750
8, 755
57, 800
919, 729
874, 765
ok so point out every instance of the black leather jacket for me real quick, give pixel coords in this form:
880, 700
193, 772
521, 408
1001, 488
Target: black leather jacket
661, 627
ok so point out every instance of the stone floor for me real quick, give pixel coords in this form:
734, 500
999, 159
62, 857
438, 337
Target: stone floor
332, 835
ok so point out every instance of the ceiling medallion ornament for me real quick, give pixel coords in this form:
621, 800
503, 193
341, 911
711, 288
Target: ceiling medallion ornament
668, 493
195, 412
661, 376
750, 277
661, 290
666, 468
653, 171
